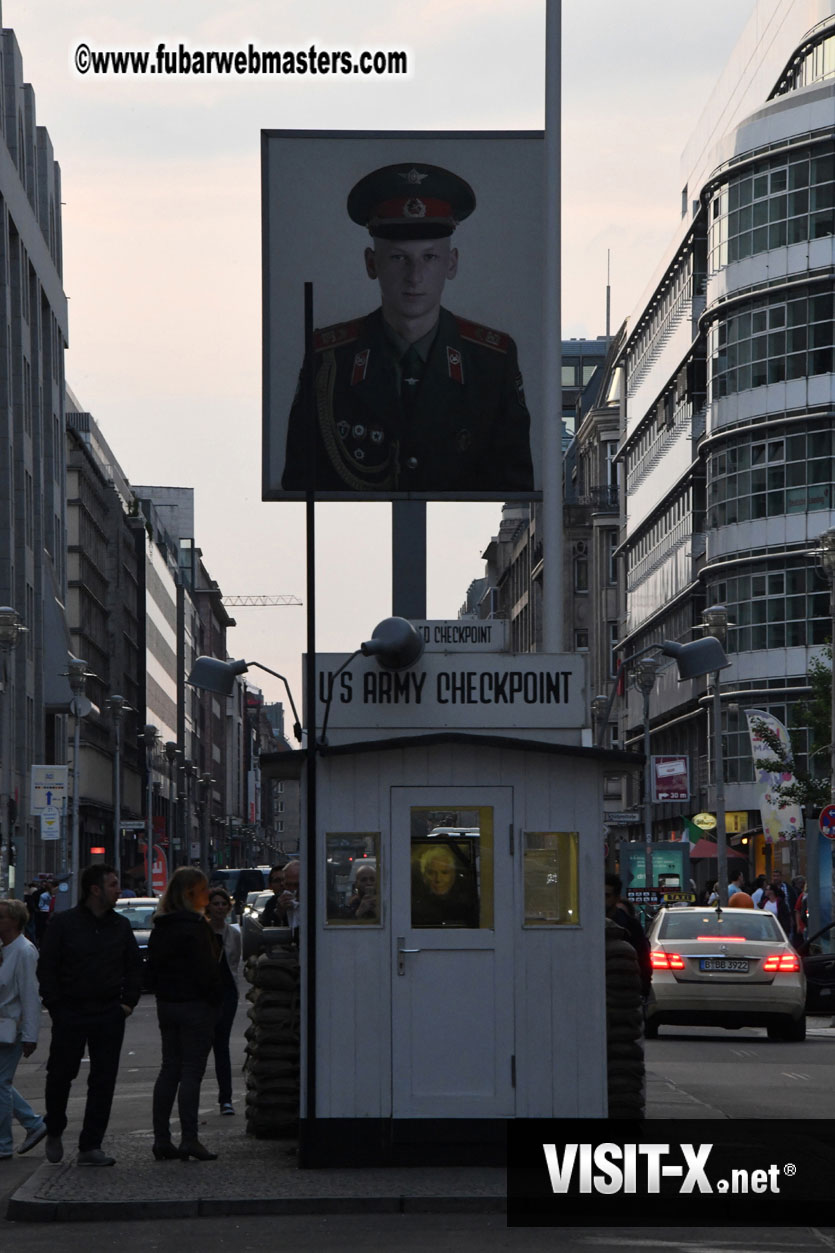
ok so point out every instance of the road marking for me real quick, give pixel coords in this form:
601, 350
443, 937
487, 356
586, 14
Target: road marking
790, 1074
744, 1052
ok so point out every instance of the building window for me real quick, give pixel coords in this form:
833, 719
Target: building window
772, 341
788, 472
581, 574
788, 200
775, 607
581, 641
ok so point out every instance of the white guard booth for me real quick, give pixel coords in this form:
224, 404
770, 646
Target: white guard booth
457, 979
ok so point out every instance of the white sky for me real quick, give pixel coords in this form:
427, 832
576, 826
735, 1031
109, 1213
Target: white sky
161, 221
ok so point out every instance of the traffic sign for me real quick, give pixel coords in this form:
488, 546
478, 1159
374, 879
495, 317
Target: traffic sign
133, 824
50, 823
826, 821
622, 818
49, 787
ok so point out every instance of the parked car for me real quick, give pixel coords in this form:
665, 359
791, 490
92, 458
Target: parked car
818, 957
139, 911
725, 968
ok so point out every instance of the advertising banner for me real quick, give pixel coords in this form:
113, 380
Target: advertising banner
425, 255
781, 821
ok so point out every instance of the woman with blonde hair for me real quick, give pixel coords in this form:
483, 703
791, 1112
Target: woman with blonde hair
185, 975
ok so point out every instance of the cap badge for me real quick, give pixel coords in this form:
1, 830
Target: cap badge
414, 208
413, 176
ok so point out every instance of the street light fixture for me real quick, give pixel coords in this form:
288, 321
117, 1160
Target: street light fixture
693, 660
10, 629
716, 625
118, 707
826, 556
214, 675
206, 782
78, 674
172, 752
149, 738
646, 669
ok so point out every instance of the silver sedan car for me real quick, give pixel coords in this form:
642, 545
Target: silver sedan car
725, 968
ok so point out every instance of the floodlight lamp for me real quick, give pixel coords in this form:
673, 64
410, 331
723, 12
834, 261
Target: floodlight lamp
698, 657
395, 643
213, 675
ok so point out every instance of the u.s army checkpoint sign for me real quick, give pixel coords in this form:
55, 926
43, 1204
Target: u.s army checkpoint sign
456, 691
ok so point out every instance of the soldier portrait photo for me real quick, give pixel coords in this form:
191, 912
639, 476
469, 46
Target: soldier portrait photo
411, 396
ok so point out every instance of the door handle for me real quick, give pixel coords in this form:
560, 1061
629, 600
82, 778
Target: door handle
401, 965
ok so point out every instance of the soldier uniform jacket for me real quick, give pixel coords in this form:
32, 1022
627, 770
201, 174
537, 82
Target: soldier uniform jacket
467, 429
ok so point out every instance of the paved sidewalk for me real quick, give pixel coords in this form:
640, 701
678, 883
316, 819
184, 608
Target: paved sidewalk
250, 1177
261, 1177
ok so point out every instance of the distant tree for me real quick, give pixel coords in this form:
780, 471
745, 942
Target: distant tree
812, 785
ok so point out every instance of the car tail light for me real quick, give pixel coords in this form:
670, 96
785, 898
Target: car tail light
789, 962
666, 961
726, 939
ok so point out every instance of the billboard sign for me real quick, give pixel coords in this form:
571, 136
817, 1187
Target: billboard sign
424, 251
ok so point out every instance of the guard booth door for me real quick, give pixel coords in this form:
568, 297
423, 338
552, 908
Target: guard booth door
452, 971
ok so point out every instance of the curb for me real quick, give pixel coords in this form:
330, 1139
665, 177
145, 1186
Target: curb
27, 1207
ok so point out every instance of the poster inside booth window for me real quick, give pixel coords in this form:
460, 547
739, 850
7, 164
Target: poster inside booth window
463, 439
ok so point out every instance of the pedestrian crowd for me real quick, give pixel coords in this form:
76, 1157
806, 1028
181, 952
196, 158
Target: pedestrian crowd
84, 966
789, 902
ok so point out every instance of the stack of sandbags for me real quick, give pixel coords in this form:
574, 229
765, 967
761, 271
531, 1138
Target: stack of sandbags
624, 1027
272, 1051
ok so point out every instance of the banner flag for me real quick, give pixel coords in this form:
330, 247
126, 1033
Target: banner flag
780, 821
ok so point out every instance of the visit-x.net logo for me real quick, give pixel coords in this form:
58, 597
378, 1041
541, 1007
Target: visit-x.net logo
594, 1172
642, 1168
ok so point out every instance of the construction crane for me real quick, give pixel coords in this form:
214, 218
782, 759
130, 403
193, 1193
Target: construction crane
259, 602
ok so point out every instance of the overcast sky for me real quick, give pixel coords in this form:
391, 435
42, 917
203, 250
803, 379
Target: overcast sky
161, 226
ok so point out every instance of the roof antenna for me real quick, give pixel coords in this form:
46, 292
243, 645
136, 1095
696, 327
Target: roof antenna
608, 298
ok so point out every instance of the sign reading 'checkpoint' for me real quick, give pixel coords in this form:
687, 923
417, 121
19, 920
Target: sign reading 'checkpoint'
457, 691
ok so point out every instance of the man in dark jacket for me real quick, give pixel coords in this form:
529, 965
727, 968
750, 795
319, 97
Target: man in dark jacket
616, 911
90, 979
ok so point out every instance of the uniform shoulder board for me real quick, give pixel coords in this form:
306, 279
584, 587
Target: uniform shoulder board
337, 335
477, 334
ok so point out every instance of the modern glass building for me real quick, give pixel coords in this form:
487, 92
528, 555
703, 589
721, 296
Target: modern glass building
727, 428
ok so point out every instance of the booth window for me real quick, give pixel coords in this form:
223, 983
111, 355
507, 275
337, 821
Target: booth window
451, 866
352, 870
552, 892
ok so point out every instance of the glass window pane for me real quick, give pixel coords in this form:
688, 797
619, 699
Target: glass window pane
778, 180
352, 860
777, 234
452, 866
551, 873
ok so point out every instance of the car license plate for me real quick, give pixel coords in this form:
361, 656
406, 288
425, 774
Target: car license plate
736, 965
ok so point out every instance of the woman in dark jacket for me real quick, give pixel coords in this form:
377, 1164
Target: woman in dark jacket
185, 975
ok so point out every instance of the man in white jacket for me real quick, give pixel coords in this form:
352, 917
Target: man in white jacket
20, 1020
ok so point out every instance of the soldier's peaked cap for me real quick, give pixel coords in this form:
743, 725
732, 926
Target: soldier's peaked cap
410, 201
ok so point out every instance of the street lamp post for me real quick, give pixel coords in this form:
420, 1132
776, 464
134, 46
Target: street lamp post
172, 752
77, 674
645, 671
206, 781
827, 560
10, 628
716, 624
118, 708
149, 739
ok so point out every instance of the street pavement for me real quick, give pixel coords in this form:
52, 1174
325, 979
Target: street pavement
255, 1177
